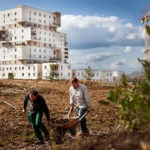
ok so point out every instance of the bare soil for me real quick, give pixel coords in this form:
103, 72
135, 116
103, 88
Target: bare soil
16, 132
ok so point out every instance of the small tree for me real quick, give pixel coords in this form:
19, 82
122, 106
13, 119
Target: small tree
52, 74
133, 100
88, 74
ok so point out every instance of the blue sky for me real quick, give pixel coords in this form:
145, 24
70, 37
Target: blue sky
105, 34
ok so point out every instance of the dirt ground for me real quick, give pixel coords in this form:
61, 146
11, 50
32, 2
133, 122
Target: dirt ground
16, 132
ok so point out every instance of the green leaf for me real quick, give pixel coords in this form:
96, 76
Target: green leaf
147, 27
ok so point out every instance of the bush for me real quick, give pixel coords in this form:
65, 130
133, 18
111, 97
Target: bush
133, 100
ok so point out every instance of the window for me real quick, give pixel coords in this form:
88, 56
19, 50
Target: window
22, 74
28, 67
28, 74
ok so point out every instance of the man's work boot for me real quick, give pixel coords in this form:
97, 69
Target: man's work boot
40, 142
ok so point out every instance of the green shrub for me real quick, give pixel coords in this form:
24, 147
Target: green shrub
133, 99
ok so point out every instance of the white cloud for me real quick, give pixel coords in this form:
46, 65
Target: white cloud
85, 32
128, 49
103, 42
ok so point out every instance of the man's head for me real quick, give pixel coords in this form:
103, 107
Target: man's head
74, 82
33, 95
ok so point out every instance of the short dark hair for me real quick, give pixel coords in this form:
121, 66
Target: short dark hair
74, 79
34, 92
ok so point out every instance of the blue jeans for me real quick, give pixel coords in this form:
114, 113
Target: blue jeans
80, 113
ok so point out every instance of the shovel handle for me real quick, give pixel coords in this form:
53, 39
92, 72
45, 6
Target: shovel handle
82, 116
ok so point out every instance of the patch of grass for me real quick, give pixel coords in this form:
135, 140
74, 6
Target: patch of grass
27, 136
10, 139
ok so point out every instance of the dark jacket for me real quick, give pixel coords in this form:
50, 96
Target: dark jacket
37, 105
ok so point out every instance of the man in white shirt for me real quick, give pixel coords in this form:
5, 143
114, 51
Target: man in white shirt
79, 95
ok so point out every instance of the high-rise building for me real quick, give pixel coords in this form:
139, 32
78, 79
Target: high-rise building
30, 44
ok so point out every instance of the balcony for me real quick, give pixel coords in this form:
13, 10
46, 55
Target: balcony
2, 30
21, 22
2, 39
33, 32
54, 60
54, 47
66, 49
66, 57
6, 44
20, 43
66, 53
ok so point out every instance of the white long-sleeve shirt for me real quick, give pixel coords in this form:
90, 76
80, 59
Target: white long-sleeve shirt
80, 96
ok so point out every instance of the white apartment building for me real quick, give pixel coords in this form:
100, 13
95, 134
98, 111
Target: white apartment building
30, 42
100, 76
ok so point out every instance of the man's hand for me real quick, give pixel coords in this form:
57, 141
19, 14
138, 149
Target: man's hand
89, 109
23, 111
70, 110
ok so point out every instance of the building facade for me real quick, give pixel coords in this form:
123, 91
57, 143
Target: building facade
29, 41
30, 45
100, 76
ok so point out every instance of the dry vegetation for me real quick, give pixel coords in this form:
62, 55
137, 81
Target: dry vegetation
16, 132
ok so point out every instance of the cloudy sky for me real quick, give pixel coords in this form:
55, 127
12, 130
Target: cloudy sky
103, 34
